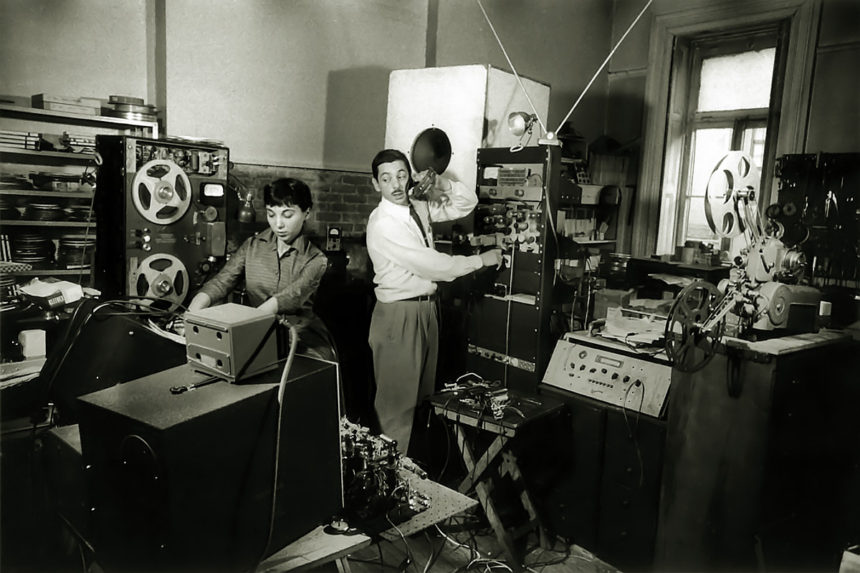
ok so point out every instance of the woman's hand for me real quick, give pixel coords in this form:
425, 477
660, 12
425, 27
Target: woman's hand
270, 305
200, 301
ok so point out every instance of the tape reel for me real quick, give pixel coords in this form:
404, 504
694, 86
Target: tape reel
777, 300
730, 197
161, 192
162, 276
689, 344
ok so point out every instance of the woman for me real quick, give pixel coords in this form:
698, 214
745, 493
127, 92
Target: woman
281, 268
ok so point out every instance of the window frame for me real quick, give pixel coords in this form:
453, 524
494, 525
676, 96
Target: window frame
714, 45
738, 126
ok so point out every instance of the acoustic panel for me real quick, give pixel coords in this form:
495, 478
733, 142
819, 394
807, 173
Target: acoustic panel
469, 103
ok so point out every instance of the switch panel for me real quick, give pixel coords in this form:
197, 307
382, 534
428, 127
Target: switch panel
608, 371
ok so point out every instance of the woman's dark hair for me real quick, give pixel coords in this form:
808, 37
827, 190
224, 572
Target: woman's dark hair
288, 192
389, 156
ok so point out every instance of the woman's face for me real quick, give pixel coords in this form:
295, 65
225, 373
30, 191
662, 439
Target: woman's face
286, 221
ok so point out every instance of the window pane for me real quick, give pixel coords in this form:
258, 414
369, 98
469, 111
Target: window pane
737, 81
697, 223
753, 144
709, 146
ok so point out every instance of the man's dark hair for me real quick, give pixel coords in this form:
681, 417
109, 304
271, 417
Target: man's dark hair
288, 192
389, 156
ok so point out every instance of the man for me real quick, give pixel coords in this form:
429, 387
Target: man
404, 329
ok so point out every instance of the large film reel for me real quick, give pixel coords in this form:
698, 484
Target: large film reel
161, 192
162, 276
690, 341
730, 197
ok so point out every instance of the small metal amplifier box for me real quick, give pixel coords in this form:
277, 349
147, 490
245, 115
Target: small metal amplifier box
230, 340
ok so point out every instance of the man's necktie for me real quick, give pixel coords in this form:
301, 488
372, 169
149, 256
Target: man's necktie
417, 220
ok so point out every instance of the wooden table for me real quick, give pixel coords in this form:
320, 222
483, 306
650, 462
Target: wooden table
522, 409
318, 547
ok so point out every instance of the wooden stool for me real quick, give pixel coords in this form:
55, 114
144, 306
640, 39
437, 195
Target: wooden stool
524, 410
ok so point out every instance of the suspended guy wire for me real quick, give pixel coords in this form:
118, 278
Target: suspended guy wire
603, 65
513, 69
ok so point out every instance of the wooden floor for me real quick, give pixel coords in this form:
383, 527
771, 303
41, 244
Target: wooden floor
458, 546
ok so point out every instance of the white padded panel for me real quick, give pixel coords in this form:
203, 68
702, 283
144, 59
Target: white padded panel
458, 100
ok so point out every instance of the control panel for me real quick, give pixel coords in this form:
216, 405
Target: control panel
508, 334
608, 371
168, 210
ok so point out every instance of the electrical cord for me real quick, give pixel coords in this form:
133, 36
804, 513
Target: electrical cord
92, 313
377, 561
564, 555
434, 552
633, 432
447, 444
294, 338
410, 558
457, 544
657, 350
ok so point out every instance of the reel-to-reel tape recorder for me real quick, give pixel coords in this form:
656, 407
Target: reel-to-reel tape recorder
164, 205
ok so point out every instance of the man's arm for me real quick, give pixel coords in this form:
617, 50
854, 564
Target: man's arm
399, 246
451, 200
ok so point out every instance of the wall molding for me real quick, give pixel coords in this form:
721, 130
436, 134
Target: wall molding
838, 46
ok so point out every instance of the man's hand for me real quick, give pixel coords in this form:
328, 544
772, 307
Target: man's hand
492, 258
431, 187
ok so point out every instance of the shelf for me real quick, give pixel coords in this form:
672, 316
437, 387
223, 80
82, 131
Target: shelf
48, 114
16, 159
28, 223
55, 194
49, 272
53, 154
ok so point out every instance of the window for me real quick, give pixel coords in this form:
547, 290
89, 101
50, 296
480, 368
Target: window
666, 149
725, 109
722, 86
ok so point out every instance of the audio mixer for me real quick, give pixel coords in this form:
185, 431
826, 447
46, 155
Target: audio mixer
611, 372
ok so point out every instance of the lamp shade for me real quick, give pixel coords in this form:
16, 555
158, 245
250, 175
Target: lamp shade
519, 122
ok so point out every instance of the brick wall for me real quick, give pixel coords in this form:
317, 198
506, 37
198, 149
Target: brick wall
341, 198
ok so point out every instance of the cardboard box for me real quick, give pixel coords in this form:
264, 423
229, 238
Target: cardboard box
608, 298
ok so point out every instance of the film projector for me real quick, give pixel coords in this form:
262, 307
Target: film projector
167, 204
763, 292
